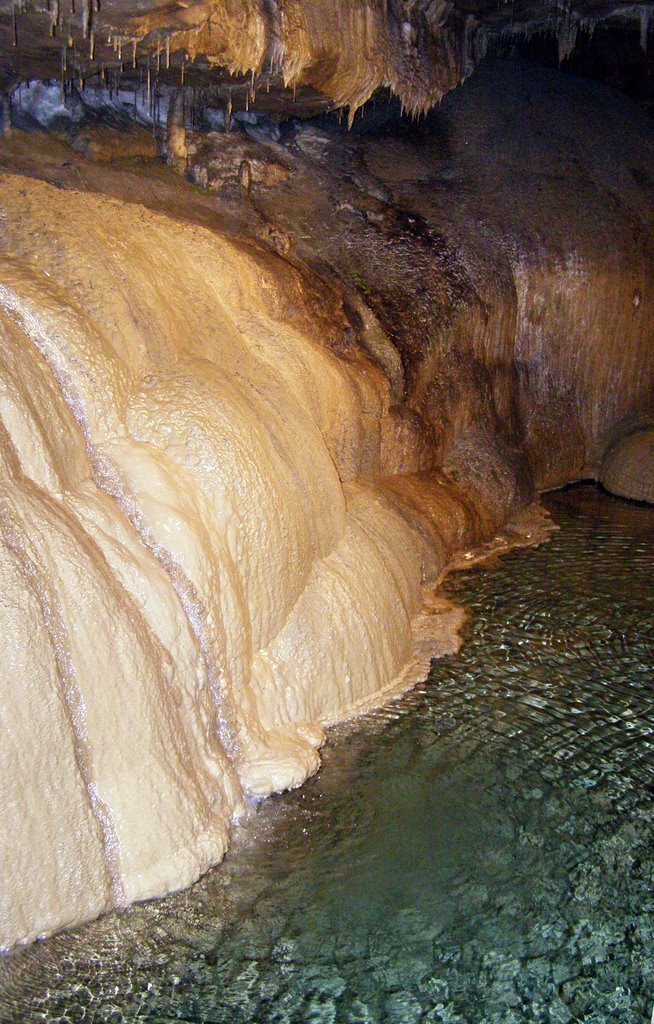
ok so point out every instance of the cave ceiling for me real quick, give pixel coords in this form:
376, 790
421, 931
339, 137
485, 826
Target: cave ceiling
332, 52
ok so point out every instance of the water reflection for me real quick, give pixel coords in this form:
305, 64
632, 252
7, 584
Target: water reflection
479, 853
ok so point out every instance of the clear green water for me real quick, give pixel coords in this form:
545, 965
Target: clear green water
482, 851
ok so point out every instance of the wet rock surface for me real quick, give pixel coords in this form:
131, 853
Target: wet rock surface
504, 245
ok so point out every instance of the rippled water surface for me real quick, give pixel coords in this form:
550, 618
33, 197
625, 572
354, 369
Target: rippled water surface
481, 851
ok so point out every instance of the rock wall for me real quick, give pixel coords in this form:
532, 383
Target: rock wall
504, 246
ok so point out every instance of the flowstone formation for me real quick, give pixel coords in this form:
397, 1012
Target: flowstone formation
342, 50
254, 403
337, 51
200, 572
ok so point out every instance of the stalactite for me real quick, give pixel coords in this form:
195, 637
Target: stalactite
87, 17
420, 50
567, 35
5, 115
54, 18
644, 27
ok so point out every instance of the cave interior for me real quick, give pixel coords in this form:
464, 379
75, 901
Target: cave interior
302, 303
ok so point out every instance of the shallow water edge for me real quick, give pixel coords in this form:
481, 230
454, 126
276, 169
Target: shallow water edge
480, 850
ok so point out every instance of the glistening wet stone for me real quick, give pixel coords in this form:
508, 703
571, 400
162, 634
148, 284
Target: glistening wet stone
480, 852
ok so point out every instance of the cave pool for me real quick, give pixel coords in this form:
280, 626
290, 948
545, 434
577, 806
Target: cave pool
479, 852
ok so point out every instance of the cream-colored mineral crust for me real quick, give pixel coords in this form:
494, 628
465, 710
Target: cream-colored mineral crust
189, 591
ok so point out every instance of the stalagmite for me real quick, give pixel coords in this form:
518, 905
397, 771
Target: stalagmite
176, 130
245, 176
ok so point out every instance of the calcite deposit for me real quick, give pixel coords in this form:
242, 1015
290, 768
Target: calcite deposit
248, 420
196, 579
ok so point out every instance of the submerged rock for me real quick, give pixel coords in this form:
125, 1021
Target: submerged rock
628, 467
